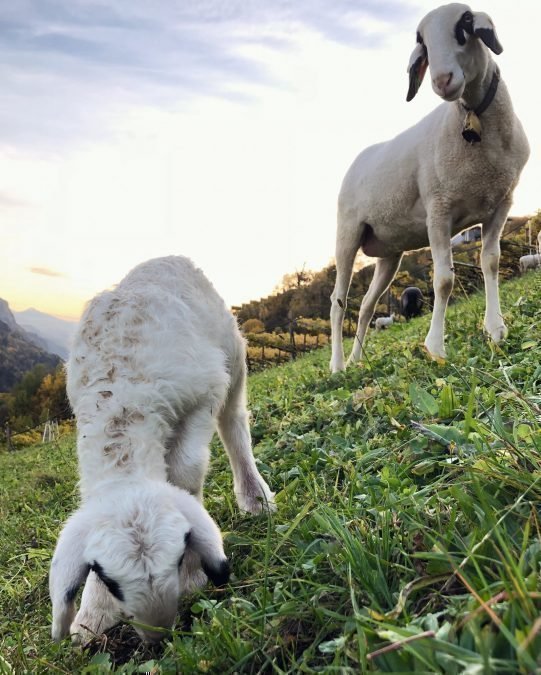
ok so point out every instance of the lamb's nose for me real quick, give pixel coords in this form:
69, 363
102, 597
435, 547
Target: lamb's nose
442, 82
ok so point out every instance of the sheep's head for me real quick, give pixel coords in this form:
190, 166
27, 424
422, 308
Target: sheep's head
449, 42
134, 540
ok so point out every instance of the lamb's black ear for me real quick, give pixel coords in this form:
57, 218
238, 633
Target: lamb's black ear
483, 28
205, 539
217, 573
67, 574
416, 69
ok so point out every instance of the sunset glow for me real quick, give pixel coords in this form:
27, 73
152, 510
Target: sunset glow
221, 137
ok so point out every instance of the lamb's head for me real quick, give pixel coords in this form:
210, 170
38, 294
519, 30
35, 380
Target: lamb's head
134, 539
450, 41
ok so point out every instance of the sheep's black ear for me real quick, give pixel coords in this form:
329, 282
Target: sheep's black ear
417, 69
483, 28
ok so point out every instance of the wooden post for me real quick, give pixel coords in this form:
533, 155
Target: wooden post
7, 430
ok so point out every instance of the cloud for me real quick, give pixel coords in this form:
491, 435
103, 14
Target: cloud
8, 201
44, 271
70, 64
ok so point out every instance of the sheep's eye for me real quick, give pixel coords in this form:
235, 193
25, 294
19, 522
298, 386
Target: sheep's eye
465, 25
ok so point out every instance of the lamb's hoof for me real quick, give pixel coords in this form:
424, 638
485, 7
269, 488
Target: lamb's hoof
497, 334
257, 504
257, 501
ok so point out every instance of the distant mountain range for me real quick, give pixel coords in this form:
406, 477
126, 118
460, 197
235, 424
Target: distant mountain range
54, 333
29, 338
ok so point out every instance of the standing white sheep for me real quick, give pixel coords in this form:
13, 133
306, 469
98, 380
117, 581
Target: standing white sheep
457, 167
157, 363
529, 262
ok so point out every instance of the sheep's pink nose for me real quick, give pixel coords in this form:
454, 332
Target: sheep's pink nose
442, 82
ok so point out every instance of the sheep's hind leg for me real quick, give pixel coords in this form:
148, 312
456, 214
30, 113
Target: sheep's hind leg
252, 492
490, 262
383, 275
348, 239
99, 611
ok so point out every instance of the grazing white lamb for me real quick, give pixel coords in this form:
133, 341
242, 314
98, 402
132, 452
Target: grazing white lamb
529, 262
157, 363
383, 322
457, 167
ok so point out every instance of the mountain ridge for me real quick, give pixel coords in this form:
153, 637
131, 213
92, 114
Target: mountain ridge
20, 350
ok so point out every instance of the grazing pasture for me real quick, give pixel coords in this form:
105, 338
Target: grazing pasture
407, 536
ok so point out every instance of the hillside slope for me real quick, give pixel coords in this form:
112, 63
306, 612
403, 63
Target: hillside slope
18, 355
407, 534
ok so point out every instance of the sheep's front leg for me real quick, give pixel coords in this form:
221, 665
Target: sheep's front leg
99, 611
490, 263
252, 492
383, 275
439, 236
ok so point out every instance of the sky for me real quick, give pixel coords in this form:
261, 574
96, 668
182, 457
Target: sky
220, 130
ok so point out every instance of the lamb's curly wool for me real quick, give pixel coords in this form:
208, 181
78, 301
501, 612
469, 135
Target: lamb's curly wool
157, 363
429, 182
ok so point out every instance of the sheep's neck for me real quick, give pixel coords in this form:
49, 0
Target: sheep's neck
479, 94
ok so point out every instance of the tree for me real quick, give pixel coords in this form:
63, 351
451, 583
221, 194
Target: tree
253, 326
295, 280
51, 396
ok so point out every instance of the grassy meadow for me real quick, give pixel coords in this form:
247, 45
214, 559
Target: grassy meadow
407, 537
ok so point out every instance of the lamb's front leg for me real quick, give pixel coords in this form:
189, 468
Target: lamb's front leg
252, 492
187, 464
439, 236
99, 611
490, 263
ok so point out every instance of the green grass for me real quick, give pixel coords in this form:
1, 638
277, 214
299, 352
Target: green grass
407, 536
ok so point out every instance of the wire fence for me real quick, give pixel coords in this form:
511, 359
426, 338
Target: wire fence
48, 430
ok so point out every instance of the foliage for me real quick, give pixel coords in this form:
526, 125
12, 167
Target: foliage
407, 535
253, 326
39, 395
18, 355
296, 279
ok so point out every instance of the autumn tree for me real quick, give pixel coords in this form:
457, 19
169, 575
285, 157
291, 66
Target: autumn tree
253, 326
51, 395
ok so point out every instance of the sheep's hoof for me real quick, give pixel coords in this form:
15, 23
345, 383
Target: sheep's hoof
337, 365
434, 355
497, 334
